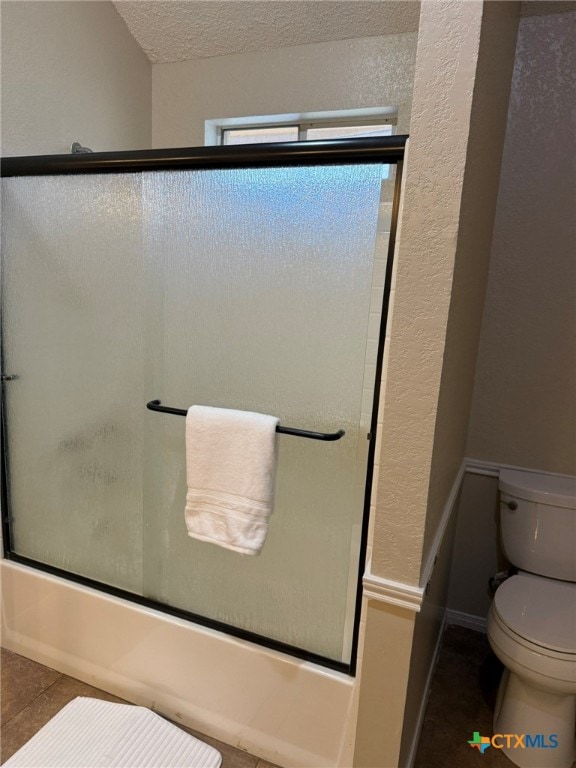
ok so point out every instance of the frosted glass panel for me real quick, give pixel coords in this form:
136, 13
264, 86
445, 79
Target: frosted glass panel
256, 289
264, 280
72, 315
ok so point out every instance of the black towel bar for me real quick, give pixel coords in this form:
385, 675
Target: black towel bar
154, 405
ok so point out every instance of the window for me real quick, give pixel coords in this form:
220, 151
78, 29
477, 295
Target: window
304, 131
310, 126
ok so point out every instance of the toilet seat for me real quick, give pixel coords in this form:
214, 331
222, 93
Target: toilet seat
545, 669
540, 612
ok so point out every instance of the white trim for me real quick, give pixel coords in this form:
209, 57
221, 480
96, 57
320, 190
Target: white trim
468, 620
407, 595
493, 468
425, 696
392, 592
214, 126
411, 597
472, 469
426, 574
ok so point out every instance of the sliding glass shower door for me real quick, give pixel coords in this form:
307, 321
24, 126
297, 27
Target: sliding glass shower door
251, 288
72, 310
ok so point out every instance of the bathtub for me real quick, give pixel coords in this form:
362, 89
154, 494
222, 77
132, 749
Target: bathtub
287, 711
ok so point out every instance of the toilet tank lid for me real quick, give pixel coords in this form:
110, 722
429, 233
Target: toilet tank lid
556, 490
540, 610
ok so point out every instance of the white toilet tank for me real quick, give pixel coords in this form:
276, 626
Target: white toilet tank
538, 522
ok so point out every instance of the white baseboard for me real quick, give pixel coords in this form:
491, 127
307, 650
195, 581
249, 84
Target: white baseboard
468, 620
425, 696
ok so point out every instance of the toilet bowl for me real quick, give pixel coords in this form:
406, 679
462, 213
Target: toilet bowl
532, 630
532, 621
536, 647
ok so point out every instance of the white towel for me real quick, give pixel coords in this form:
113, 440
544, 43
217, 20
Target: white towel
230, 466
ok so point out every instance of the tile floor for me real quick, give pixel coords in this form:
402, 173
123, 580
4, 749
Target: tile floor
462, 698
31, 694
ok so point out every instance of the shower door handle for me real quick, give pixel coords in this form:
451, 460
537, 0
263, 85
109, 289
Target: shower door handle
155, 405
8, 377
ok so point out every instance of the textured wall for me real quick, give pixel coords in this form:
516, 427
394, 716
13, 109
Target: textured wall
347, 74
475, 227
71, 71
446, 61
524, 407
464, 55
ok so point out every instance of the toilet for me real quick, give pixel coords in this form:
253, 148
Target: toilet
532, 620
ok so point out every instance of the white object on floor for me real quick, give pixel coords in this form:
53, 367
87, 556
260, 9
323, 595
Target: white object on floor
230, 467
91, 733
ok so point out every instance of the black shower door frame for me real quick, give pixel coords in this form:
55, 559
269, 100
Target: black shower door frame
387, 150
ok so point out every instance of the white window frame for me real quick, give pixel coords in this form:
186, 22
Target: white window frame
215, 130
303, 127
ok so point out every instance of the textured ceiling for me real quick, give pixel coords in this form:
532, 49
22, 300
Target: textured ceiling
180, 30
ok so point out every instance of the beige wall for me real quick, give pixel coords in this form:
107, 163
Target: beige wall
345, 74
442, 261
384, 665
477, 555
444, 78
524, 402
463, 68
524, 406
474, 240
71, 71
